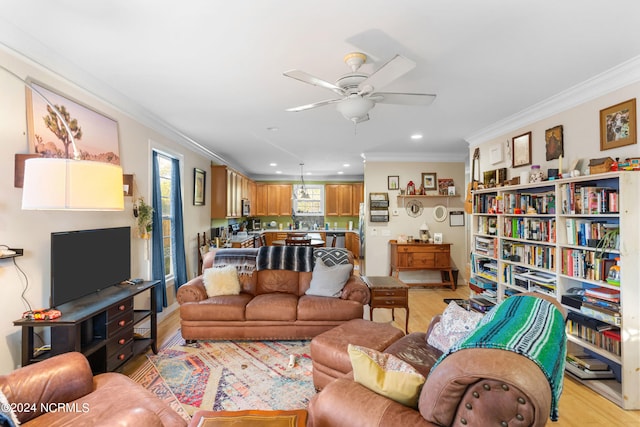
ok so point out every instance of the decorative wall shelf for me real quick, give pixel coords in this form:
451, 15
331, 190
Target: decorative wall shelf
18, 252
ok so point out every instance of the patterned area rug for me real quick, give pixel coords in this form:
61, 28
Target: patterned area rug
229, 375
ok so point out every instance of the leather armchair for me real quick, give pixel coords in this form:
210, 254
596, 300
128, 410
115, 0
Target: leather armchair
62, 391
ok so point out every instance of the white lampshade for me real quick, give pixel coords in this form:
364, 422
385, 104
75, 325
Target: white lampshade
424, 227
355, 108
65, 184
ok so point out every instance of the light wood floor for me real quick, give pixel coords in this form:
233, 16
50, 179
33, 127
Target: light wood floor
579, 406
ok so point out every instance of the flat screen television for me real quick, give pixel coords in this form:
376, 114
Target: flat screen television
86, 261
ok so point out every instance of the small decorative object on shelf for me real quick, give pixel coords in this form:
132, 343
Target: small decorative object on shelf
411, 188
424, 232
536, 174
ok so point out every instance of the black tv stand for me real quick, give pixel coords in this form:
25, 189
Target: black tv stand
100, 325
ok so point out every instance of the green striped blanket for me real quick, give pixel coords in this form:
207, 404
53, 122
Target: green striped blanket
530, 326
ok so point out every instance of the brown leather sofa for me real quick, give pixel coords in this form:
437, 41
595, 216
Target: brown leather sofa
271, 305
474, 387
62, 391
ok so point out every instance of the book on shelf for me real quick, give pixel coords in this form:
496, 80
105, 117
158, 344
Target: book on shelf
583, 360
614, 319
607, 294
588, 374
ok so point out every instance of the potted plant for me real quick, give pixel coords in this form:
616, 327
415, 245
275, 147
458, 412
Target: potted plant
144, 213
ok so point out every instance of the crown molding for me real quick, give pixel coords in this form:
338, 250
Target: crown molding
615, 78
416, 157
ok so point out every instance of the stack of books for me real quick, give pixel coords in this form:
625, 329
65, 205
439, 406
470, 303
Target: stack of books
587, 367
603, 304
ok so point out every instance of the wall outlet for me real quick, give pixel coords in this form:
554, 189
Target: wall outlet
374, 231
395, 212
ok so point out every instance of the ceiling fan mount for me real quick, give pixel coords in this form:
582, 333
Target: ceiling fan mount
358, 89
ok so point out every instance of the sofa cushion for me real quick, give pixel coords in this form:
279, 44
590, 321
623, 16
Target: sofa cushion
386, 375
414, 350
223, 307
311, 307
328, 281
270, 281
455, 324
275, 306
221, 281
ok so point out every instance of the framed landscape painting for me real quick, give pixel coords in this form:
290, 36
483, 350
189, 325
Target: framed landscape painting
95, 135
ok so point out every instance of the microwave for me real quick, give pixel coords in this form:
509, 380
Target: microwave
246, 207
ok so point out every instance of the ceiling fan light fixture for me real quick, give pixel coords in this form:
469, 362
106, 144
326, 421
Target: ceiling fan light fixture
355, 108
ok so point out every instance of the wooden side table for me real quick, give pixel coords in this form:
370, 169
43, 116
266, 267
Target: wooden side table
388, 292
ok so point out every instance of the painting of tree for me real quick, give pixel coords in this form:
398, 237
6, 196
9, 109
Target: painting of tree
95, 135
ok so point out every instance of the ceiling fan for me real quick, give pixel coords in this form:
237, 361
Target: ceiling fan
358, 89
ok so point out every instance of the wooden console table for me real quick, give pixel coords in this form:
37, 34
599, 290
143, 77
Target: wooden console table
422, 256
100, 325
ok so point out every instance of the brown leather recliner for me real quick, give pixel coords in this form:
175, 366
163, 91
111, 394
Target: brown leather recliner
62, 391
474, 387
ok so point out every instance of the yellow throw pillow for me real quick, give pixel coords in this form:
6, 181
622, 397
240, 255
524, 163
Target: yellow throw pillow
386, 375
221, 281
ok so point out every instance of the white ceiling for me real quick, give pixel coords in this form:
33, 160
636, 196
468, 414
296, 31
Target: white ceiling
211, 70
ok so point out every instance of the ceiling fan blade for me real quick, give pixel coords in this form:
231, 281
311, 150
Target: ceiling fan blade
384, 75
314, 105
402, 98
313, 80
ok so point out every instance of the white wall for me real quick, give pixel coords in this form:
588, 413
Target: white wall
581, 128
31, 229
378, 234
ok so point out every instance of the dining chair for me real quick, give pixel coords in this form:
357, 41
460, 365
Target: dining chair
297, 242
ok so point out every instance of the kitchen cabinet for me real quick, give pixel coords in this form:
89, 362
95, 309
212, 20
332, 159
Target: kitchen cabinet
357, 197
228, 188
279, 199
352, 243
272, 200
339, 200
259, 207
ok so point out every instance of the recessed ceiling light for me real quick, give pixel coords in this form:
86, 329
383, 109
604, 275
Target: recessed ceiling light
340, 172
273, 164
346, 165
308, 173
416, 136
278, 171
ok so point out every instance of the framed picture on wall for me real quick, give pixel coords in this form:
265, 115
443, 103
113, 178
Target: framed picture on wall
94, 134
429, 181
521, 150
199, 182
393, 182
618, 125
553, 143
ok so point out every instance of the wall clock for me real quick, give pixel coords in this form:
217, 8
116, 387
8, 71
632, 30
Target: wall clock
414, 208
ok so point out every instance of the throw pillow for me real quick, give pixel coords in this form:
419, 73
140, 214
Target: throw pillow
328, 281
386, 375
455, 324
7, 416
221, 281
